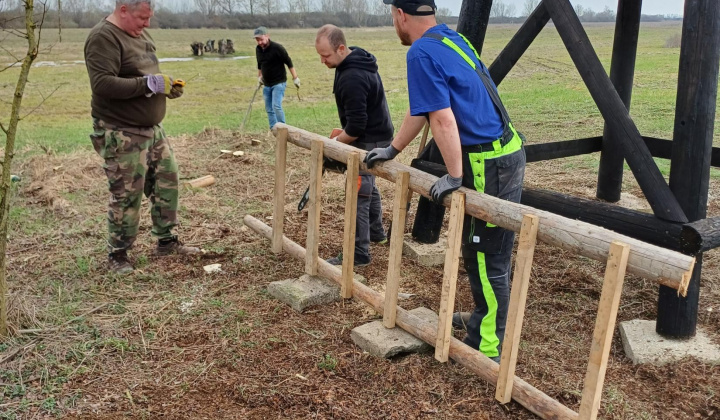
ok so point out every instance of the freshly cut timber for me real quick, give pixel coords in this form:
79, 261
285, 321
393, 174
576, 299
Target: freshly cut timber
669, 268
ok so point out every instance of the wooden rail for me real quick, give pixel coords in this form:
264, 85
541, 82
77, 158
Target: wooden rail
669, 268
533, 399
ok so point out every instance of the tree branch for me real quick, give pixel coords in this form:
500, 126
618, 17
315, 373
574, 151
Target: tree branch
45, 98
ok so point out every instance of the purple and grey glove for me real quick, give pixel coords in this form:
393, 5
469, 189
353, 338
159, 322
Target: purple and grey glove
159, 83
380, 154
443, 187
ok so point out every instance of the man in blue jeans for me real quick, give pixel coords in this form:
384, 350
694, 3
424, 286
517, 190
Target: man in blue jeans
272, 59
449, 86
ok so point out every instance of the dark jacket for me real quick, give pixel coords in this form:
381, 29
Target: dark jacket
360, 99
271, 63
116, 63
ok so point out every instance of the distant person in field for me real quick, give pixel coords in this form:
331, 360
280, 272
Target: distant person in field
128, 105
451, 88
271, 60
366, 123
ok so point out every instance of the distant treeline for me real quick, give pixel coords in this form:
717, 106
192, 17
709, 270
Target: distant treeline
168, 19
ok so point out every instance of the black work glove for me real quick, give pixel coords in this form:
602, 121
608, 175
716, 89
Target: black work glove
175, 92
443, 187
380, 154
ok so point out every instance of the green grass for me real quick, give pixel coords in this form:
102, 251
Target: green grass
544, 93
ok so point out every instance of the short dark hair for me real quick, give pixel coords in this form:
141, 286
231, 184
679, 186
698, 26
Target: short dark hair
334, 35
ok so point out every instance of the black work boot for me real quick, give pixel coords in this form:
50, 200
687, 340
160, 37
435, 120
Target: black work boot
173, 246
119, 263
460, 320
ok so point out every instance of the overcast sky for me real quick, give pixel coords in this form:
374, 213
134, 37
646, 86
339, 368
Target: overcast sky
649, 7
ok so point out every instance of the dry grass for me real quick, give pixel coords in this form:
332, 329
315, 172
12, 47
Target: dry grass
171, 341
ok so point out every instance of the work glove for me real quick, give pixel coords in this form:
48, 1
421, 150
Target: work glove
260, 81
380, 154
297, 82
176, 91
443, 187
159, 83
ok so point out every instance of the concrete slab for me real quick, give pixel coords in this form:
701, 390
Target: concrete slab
429, 255
643, 345
307, 291
383, 342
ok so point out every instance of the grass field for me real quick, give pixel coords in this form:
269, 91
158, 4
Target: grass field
544, 93
170, 341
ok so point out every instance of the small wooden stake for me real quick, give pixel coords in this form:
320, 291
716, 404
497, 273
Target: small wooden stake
351, 197
313, 229
516, 312
279, 205
396, 246
604, 327
452, 260
203, 181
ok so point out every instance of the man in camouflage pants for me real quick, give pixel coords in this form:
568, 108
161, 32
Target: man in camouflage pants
128, 106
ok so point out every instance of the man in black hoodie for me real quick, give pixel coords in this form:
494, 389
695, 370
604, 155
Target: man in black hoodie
366, 123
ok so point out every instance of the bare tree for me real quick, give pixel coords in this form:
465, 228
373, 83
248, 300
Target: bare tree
32, 34
579, 10
500, 9
59, 13
530, 6
207, 7
442, 12
228, 6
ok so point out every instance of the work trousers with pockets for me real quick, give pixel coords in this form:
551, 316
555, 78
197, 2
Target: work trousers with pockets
487, 248
137, 160
368, 225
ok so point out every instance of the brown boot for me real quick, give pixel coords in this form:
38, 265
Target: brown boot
119, 263
173, 246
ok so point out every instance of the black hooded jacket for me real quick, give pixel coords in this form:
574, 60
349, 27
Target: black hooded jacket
360, 99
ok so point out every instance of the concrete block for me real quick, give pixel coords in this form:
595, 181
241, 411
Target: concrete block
383, 342
307, 291
643, 345
429, 255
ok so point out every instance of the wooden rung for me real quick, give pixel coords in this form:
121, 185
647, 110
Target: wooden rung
396, 246
313, 229
516, 309
452, 260
351, 197
279, 199
604, 327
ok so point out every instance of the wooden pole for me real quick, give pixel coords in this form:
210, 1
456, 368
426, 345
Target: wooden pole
452, 261
473, 21
652, 262
604, 327
531, 398
313, 229
279, 204
617, 118
519, 43
396, 248
351, 198
692, 143
622, 72
516, 312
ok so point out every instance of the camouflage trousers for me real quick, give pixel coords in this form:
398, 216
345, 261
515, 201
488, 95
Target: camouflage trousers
137, 160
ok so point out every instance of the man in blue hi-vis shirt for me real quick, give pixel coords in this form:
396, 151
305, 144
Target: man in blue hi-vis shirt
449, 86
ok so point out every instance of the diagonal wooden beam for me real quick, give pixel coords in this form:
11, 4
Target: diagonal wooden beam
617, 117
473, 21
519, 43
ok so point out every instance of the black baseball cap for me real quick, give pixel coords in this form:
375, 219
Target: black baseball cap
414, 7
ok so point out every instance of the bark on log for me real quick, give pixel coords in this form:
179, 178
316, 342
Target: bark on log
669, 268
531, 398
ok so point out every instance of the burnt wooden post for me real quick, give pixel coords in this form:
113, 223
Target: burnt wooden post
622, 71
692, 145
473, 21
647, 174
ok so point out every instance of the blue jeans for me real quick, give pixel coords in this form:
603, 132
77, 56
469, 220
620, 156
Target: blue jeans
273, 103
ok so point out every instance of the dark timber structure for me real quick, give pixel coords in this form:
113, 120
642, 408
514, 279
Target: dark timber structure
679, 221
